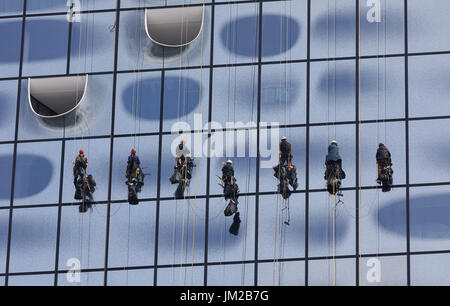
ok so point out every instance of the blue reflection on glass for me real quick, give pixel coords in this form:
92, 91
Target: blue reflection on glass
181, 97
33, 174
46, 41
11, 7
8, 105
280, 33
141, 98
33, 239
4, 225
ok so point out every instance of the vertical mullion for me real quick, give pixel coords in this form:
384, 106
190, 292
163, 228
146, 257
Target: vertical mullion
408, 241
308, 85
357, 143
58, 233
111, 151
158, 188
258, 123
69, 46
16, 134
208, 164
61, 178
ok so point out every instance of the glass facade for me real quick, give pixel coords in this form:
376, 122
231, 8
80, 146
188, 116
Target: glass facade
319, 68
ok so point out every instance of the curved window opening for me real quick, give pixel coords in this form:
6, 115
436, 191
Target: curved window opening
56, 96
174, 27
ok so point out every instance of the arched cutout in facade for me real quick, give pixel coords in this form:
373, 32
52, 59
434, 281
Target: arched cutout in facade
174, 27
56, 96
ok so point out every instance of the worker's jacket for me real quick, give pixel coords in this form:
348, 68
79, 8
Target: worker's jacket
182, 150
285, 148
333, 153
227, 171
80, 163
383, 153
133, 163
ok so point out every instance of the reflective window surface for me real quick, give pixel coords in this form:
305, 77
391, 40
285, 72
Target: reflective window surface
257, 71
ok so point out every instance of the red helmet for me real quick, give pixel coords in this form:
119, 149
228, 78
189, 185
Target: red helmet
133, 151
81, 151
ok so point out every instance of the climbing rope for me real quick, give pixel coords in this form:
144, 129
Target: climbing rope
196, 170
358, 56
246, 205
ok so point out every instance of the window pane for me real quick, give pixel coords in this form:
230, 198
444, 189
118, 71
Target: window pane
138, 102
97, 152
92, 47
32, 280
223, 246
131, 278
4, 221
425, 149
33, 239
45, 49
236, 33
332, 28
181, 232
231, 275
331, 227
387, 35
340, 272
147, 150
181, 276
290, 273
333, 91
283, 94
428, 26
8, 106
428, 84
132, 235
430, 270
86, 279
284, 27
37, 173
392, 271
276, 239
83, 237
383, 221
11, 7
6, 163
429, 225
11, 32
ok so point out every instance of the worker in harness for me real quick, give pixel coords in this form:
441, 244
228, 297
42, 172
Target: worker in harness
385, 171
135, 177
334, 173
84, 183
230, 188
285, 151
285, 171
182, 169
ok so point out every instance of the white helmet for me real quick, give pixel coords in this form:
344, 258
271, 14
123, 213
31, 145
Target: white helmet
283, 138
335, 142
229, 162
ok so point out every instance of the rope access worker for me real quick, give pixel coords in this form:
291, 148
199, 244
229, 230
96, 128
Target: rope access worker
182, 162
227, 171
132, 164
285, 151
383, 157
334, 158
79, 168
182, 151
